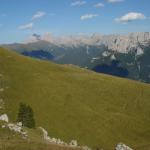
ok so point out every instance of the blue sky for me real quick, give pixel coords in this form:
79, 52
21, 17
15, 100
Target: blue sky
21, 18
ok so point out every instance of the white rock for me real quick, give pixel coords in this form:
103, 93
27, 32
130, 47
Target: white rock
17, 128
59, 141
122, 146
14, 127
73, 143
4, 117
45, 134
54, 140
19, 124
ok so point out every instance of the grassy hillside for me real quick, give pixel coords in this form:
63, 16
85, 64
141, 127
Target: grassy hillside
72, 103
9, 140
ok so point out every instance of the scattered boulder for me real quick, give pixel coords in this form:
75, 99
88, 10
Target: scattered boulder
17, 128
13, 127
73, 143
122, 146
60, 142
54, 140
19, 124
45, 134
4, 117
51, 140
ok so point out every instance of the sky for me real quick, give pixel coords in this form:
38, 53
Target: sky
21, 18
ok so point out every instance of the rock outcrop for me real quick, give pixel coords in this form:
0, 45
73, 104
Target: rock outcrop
17, 128
52, 140
122, 146
73, 143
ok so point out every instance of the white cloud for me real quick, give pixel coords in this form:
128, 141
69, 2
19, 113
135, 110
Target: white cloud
26, 26
88, 16
115, 1
78, 3
132, 16
99, 5
38, 15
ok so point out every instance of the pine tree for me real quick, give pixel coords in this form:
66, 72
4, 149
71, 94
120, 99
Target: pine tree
21, 113
29, 118
26, 116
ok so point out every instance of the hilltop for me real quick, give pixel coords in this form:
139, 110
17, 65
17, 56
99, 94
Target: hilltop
73, 103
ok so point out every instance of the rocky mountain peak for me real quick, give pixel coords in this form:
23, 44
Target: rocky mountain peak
119, 43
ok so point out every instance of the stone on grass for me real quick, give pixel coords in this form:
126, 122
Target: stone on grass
122, 146
4, 117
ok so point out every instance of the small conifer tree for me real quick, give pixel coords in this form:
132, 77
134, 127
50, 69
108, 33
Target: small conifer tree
26, 116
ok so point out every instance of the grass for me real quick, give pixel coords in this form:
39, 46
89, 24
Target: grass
72, 103
10, 140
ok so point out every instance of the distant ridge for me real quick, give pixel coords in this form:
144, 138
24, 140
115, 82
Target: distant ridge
119, 43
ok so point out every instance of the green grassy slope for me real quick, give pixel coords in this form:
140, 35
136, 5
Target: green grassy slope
72, 103
9, 140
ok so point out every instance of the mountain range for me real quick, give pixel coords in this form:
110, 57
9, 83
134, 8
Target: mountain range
131, 51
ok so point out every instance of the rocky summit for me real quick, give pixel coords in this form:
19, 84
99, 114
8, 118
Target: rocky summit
119, 43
